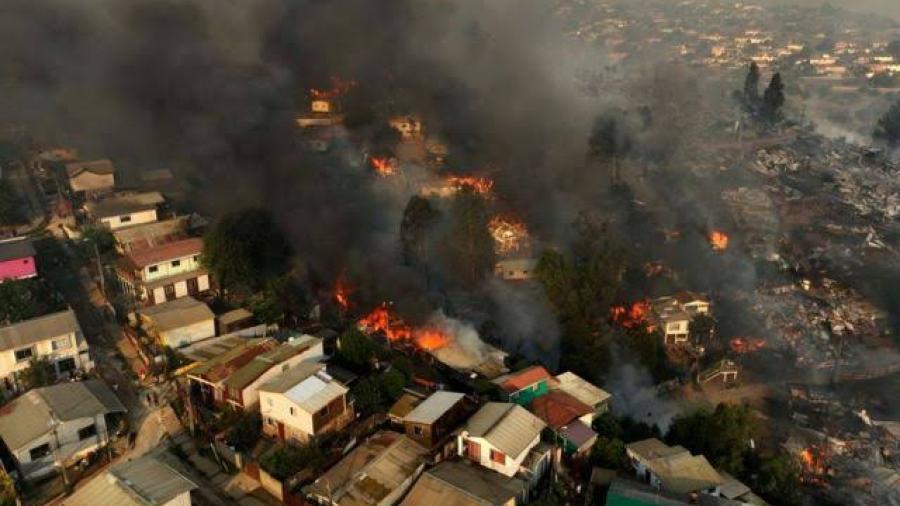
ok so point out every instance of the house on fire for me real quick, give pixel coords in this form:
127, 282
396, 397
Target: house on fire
673, 315
303, 402
125, 209
432, 421
376, 473
163, 273
56, 337
178, 323
51, 426
91, 176
524, 386
506, 438
17, 259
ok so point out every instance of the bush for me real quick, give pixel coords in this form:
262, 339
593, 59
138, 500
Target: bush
287, 461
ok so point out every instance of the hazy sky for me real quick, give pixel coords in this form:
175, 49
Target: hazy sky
889, 7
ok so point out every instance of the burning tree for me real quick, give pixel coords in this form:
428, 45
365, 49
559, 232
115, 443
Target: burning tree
419, 219
383, 320
480, 185
339, 88
510, 235
468, 246
718, 240
383, 166
632, 316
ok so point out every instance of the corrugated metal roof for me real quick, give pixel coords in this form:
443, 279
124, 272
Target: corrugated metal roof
38, 329
220, 367
581, 389
513, 382
17, 247
177, 313
148, 235
558, 408
286, 380
124, 204
459, 483
103, 166
508, 427
146, 480
259, 365
432, 408
168, 251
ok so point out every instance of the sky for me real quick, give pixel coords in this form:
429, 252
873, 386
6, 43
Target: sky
883, 7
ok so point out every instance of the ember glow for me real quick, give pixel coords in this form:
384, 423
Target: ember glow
382, 319
633, 316
718, 240
509, 235
480, 185
383, 166
743, 345
339, 87
341, 293
813, 461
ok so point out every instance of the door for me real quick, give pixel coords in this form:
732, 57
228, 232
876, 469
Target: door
281, 431
170, 292
473, 450
193, 287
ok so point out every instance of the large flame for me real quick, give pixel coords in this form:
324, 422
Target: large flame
813, 461
633, 316
480, 185
383, 166
509, 235
382, 319
718, 240
746, 344
339, 87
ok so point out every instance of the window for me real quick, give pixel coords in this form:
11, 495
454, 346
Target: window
323, 411
536, 387
65, 365
291, 409
39, 452
63, 343
86, 432
417, 430
153, 268
24, 354
498, 457
176, 263
125, 219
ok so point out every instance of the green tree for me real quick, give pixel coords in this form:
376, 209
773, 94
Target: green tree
11, 212
751, 86
419, 218
468, 246
612, 139
288, 460
39, 373
775, 478
888, 127
649, 350
773, 99
26, 298
246, 249
100, 236
609, 453
355, 349
723, 436
246, 431
392, 383
368, 395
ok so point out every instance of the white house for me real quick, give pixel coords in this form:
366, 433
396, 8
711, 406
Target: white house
51, 426
673, 314
56, 337
303, 402
242, 387
151, 479
163, 273
673, 468
180, 322
125, 210
500, 436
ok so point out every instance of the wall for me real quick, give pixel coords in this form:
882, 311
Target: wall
513, 463
187, 263
183, 499
69, 449
138, 218
42, 349
184, 336
526, 395
250, 394
279, 410
18, 268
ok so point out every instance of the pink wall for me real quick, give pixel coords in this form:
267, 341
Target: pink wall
18, 268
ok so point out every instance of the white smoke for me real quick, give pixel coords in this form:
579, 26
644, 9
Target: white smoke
635, 395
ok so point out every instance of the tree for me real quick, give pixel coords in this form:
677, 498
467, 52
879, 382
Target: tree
701, 329
468, 246
368, 396
11, 213
649, 350
723, 436
288, 460
246, 431
355, 349
775, 477
246, 249
392, 383
773, 99
39, 373
419, 217
99, 236
888, 127
751, 87
25, 299
7, 490
611, 138
609, 453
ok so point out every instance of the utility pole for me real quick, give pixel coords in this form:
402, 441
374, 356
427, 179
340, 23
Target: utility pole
62, 464
99, 269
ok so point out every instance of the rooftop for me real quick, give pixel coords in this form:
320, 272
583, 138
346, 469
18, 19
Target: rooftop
102, 166
558, 408
460, 483
508, 427
169, 251
149, 235
262, 363
177, 313
38, 329
678, 470
307, 385
146, 480
221, 367
513, 382
28, 417
404, 405
581, 389
434, 407
15, 248
124, 204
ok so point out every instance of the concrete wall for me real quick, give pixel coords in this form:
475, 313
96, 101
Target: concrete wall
69, 448
277, 407
183, 336
69, 346
127, 220
512, 463
187, 263
181, 289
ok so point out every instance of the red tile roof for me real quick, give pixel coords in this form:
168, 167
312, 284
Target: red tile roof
169, 251
558, 408
524, 378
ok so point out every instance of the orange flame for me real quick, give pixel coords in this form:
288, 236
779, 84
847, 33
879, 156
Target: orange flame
383, 320
633, 316
383, 166
718, 240
509, 235
744, 345
813, 460
480, 185
339, 87
341, 293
